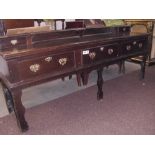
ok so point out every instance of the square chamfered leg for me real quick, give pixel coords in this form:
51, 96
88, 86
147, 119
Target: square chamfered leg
14, 103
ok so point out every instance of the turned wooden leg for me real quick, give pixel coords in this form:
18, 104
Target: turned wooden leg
19, 110
8, 98
100, 84
63, 78
70, 77
143, 65
84, 77
121, 65
78, 77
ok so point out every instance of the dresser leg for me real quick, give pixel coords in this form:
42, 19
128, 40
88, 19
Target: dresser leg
19, 110
78, 77
121, 66
70, 77
100, 84
84, 77
63, 78
143, 65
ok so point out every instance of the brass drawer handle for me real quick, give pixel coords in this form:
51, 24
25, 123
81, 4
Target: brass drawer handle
92, 55
14, 42
110, 51
128, 47
101, 48
134, 43
62, 61
140, 45
48, 59
35, 67
124, 29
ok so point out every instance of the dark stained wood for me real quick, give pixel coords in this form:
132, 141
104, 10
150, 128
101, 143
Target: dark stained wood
143, 64
84, 77
99, 84
13, 42
19, 109
78, 76
34, 58
121, 65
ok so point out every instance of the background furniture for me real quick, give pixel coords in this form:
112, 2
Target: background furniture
90, 23
74, 24
62, 23
142, 26
113, 22
2, 29
6, 24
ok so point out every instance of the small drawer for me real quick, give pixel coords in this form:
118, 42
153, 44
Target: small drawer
124, 29
13, 42
100, 53
141, 44
90, 55
45, 65
134, 46
110, 51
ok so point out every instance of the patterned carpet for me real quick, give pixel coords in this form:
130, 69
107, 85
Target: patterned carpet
128, 107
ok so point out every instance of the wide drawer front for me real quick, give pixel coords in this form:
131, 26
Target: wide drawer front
134, 46
45, 65
100, 53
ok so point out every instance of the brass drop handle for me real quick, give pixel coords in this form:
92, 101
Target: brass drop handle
34, 67
48, 59
62, 61
110, 51
128, 47
134, 43
124, 29
101, 48
140, 45
14, 42
92, 55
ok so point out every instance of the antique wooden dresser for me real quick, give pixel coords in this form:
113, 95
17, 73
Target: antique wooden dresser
34, 58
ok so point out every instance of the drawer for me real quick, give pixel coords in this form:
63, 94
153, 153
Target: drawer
13, 42
100, 53
134, 46
44, 65
124, 29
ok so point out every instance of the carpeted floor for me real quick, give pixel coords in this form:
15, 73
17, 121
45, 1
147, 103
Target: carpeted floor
128, 107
